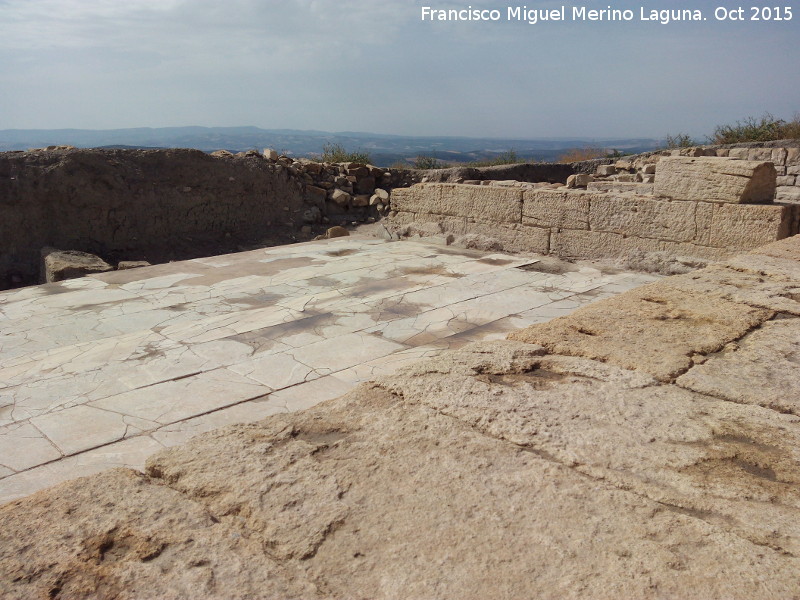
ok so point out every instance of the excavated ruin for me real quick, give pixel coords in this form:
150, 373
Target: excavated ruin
643, 444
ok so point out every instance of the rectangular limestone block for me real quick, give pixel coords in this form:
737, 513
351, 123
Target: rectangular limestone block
645, 217
555, 208
641, 189
481, 203
575, 243
740, 153
513, 237
792, 157
487, 203
744, 226
784, 180
416, 198
715, 179
455, 225
789, 193
401, 217
776, 156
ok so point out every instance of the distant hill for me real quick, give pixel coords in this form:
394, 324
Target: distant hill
384, 149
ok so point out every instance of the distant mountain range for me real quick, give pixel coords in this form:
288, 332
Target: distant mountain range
384, 149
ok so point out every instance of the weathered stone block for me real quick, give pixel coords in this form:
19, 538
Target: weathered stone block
551, 208
578, 180
642, 189
645, 217
124, 265
788, 194
740, 153
340, 197
744, 227
754, 373
58, 265
715, 179
401, 217
514, 237
778, 156
456, 225
482, 203
783, 180
606, 170
575, 243
485, 203
792, 156
759, 154
316, 195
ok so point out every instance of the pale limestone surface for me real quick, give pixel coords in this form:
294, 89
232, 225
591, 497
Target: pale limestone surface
715, 179
100, 371
656, 329
494, 471
497, 470
763, 356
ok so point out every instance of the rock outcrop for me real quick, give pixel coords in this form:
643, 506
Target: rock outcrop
645, 446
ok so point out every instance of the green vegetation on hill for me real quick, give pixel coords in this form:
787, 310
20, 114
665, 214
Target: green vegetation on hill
763, 129
750, 129
335, 153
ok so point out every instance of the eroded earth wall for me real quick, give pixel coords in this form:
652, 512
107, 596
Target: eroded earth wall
133, 203
645, 446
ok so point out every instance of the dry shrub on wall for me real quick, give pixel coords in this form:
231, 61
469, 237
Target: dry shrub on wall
763, 129
579, 154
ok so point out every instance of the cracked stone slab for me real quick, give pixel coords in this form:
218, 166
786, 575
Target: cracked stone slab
335, 354
175, 400
142, 352
743, 286
346, 487
673, 446
276, 371
754, 369
84, 427
23, 446
656, 329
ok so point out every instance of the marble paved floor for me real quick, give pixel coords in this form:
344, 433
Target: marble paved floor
104, 370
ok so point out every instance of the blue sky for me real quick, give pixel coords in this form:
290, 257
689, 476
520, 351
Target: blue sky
370, 65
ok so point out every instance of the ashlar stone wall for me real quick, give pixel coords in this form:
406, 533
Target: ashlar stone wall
703, 210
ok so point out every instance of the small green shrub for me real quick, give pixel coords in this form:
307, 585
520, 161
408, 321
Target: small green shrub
680, 140
428, 162
335, 153
763, 129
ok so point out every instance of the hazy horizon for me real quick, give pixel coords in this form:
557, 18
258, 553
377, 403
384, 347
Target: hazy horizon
360, 66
